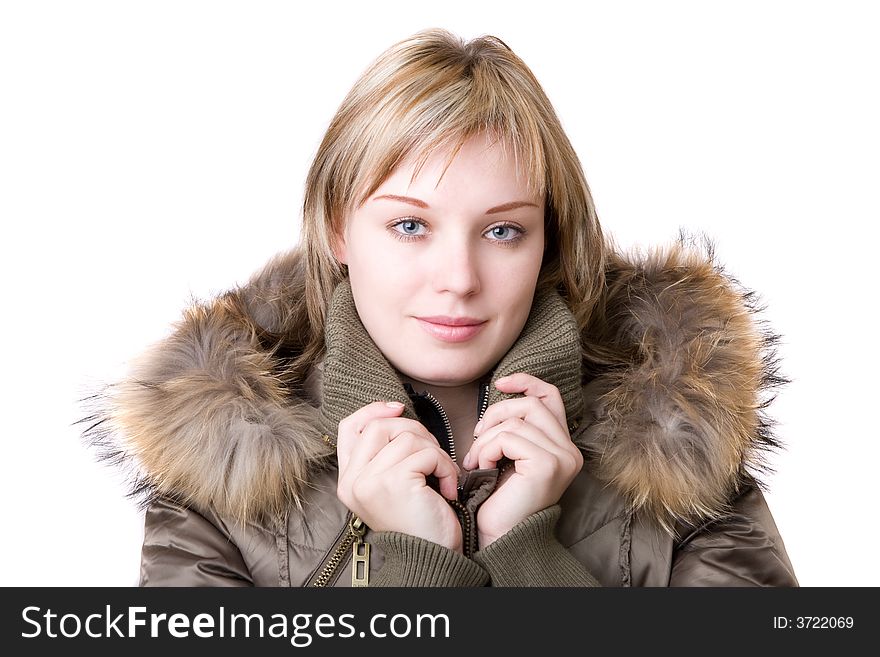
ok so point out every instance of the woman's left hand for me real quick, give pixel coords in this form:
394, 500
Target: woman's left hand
532, 432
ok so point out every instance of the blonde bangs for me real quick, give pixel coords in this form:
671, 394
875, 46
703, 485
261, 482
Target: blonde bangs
433, 100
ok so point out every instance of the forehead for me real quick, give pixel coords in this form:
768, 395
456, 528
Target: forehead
479, 167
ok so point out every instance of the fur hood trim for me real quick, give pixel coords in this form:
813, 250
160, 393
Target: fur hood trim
678, 367
684, 372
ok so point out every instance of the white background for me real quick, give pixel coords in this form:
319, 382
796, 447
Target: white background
155, 150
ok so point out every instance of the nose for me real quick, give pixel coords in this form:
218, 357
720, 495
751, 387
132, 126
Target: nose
456, 268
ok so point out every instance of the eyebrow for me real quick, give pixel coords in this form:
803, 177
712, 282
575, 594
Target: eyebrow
504, 207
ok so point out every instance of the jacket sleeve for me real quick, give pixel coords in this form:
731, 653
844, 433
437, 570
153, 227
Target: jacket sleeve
743, 548
531, 555
183, 548
413, 561
527, 555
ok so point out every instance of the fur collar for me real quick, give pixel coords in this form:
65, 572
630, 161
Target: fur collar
676, 365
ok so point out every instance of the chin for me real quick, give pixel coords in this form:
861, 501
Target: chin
447, 374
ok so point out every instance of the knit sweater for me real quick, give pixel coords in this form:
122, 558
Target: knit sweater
356, 374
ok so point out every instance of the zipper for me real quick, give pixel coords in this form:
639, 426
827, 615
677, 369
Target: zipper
468, 535
360, 566
449, 438
484, 402
360, 554
471, 535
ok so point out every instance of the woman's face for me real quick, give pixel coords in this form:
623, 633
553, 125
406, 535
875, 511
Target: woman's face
465, 250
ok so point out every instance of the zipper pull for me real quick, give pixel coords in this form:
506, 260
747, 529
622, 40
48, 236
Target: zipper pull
360, 554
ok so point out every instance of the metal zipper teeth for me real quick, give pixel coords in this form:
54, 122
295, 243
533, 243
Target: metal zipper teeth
467, 530
471, 538
332, 564
485, 402
461, 510
449, 438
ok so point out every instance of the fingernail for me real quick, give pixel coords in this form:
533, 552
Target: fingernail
394, 404
478, 427
502, 379
467, 461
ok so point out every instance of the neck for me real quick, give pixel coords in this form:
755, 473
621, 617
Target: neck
459, 401
460, 404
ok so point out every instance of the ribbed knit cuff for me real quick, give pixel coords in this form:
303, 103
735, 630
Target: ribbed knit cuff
530, 555
412, 561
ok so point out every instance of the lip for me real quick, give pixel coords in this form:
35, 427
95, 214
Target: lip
442, 328
445, 320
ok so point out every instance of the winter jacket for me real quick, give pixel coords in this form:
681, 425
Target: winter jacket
664, 393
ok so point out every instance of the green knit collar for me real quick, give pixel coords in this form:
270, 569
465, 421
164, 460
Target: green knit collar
356, 373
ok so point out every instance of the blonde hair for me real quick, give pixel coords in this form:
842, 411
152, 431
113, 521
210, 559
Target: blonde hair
434, 90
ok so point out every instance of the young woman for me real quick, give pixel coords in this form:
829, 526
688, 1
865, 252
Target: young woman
455, 379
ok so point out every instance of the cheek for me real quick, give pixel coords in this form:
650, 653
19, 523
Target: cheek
381, 288
519, 301
514, 279
513, 288
385, 279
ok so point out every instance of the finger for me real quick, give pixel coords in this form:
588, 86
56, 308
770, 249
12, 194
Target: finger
530, 410
354, 424
377, 434
516, 426
350, 427
532, 386
423, 463
403, 445
511, 445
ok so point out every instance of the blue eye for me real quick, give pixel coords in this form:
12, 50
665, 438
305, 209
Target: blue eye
409, 228
503, 230
506, 234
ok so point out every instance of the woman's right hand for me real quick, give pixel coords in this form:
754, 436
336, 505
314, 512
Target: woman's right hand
384, 460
